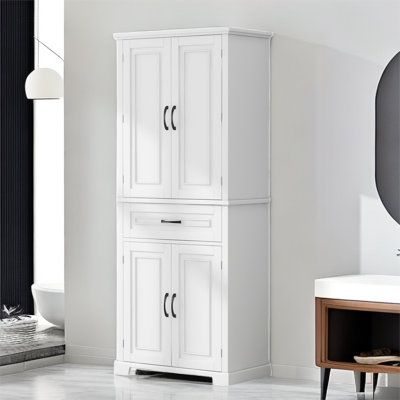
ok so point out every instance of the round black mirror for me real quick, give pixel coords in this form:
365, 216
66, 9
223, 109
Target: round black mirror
387, 136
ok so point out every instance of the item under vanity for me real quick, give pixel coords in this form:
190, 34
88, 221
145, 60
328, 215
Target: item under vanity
193, 194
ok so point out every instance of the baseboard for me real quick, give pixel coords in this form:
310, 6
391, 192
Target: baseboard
294, 372
309, 373
76, 354
312, 374
249, 374
393, 380
27, 365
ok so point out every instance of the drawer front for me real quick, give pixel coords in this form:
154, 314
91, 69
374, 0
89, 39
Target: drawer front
174, 222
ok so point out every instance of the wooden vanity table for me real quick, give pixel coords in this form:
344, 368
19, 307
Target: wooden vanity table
353, 314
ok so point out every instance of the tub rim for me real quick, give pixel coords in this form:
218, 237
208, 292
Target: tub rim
49, 287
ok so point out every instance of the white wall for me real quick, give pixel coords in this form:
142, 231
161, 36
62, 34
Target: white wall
49, 152
327, 57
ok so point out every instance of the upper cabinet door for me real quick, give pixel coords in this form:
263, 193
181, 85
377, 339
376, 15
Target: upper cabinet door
146, 101
147, 320
196, 117
196, 307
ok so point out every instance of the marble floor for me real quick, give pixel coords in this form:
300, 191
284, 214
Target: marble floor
77, 382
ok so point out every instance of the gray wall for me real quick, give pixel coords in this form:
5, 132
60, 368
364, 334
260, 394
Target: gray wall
327, 57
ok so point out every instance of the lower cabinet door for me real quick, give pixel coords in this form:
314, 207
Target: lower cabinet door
147, 296
196, 307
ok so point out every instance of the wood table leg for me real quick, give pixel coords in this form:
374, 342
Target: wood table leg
325, 373
359, 378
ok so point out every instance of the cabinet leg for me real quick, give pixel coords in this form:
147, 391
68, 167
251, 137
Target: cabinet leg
325, 373
359, 378
374, 383
123, 369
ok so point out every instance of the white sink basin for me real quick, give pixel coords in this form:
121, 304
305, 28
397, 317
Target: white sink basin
376, 288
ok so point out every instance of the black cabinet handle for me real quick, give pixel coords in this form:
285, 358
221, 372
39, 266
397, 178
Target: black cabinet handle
172, 118
165, 112
169, 221
172, 305
165, 300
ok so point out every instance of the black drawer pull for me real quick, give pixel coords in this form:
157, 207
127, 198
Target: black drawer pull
165, 124
172, 305
165, 299
172, 118
169, 221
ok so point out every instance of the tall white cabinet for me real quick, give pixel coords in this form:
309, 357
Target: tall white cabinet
193, 200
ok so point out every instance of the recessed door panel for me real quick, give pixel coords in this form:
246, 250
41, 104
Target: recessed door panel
147, 282
146, 100
196, 323
196, 139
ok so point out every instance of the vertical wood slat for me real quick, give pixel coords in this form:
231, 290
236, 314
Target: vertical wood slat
16, 153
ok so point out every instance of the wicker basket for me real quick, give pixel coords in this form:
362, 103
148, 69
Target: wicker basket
18, 330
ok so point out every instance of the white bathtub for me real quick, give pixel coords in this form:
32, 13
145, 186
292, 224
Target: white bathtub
49, 300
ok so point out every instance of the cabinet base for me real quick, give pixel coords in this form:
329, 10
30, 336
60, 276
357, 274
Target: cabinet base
218, 378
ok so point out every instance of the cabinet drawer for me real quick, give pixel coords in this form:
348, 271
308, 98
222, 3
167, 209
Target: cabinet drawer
170, 221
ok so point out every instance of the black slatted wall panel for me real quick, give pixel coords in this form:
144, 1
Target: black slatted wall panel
16, 153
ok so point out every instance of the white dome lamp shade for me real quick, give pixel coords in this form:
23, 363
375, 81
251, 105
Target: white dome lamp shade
44, 83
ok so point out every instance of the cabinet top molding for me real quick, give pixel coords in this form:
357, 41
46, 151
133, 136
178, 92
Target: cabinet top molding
192, 32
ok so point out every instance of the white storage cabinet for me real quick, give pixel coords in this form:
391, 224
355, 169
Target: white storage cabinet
193, 194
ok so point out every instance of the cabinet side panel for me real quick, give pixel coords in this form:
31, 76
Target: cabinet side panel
119, 159
120, 283
248, 108
248, 271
